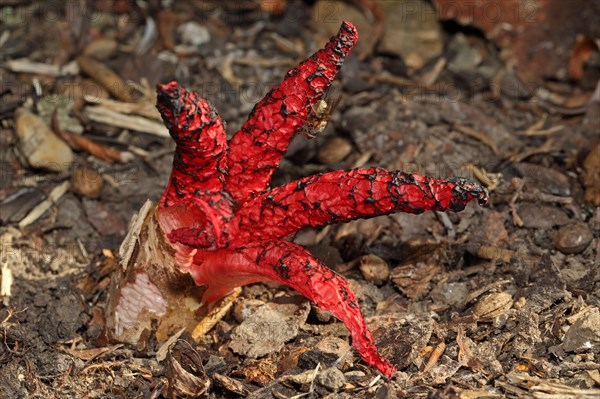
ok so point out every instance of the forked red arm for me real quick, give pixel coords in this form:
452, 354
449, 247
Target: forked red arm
257, 148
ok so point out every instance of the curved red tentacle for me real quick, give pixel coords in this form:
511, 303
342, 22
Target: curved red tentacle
290, 264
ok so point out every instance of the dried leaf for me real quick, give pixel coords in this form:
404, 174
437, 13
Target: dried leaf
185, 373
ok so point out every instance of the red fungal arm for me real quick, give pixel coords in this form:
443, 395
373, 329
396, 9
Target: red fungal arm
198, 176
256, 149
199, 132
289, 264
227, 231
342, 196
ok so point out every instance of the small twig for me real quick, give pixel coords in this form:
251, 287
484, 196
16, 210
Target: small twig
519, 183
547, 147
491, 252
580, 366
110, 80
105, 365
431, 76
56, 193
542, 132
312, 383
445, 219
112, 118
535, 196
24, 65
490, 180
374, 381
435, 355
79, 142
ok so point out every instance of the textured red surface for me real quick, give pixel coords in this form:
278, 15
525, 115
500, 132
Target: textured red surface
256, 149
229, 229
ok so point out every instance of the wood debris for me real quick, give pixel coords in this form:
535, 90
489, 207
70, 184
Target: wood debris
79, 142
137, 123
6, 281
215, 315
56, 193
106, 77
25, 65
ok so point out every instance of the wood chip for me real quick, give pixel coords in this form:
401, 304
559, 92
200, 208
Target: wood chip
413, 278
185, 373
24, 65
215, 315
492, 306
262, 372
467, 356
591, 176
434, 356
137, 123
334, 151
40, 146
146, 107
230, 384
133, 232
6, 281
594, 375
87, 181
374, 269
163, 351
106, 77
479, 394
